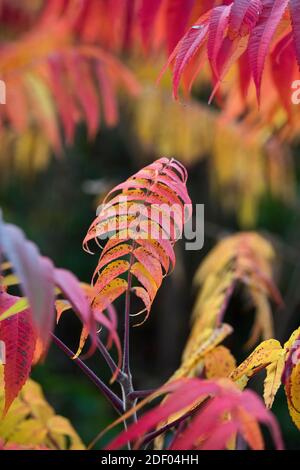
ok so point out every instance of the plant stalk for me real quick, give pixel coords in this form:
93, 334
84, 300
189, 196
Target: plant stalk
105, 390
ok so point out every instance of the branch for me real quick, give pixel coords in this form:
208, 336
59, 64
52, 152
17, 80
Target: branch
109, 395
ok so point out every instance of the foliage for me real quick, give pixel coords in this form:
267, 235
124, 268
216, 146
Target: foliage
243, 258
26, 323
60, 70
236, 31
213, 422
147, 210
281, 365
31, 422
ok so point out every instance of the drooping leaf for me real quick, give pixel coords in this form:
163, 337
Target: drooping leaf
261, 36
226, 400
245, 258
198, 346
273, 379
35, 274
19, 337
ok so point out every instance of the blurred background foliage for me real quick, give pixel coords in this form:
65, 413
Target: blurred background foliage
244, 180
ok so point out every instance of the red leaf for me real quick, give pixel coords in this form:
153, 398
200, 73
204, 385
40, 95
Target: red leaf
244, 74
178, 13
152, 206
147, 16
258, 410
108, 94
19, 337
261, 37
282, 58
220, 437
209, 428
206, 422
295, 14
64, 100
184, 395
80, 73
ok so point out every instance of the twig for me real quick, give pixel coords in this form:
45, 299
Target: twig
109, 395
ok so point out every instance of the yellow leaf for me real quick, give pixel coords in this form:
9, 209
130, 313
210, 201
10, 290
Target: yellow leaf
192, 362
17, 307
244, 258
266, 353
273, 379
295, 335
292, 390
219, 363
61, 426
31, 421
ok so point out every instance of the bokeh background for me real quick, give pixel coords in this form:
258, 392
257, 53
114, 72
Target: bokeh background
54, 201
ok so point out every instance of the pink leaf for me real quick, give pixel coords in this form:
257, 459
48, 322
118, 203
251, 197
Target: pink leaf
184, 395
244, 16
70, 286
220, 437
35, 274
218, 23
186, 49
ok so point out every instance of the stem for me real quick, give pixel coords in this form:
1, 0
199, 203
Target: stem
126, 359
108, 359
137, 394
152, 435
109, 395
126, 379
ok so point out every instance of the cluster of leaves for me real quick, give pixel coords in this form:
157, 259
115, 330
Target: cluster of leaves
44, 69
32, 423
245, 259
205, 403
65, 47
203, 413
26, 323
208, 414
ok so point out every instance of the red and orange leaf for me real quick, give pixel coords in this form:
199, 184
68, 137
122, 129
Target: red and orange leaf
142, 218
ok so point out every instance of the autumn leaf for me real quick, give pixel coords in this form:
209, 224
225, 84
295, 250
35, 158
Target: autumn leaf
31, 422
142, 218
19, 336
229, 31
204, 428
218, 363
35, 274
43, 69
291, 376
245, 258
